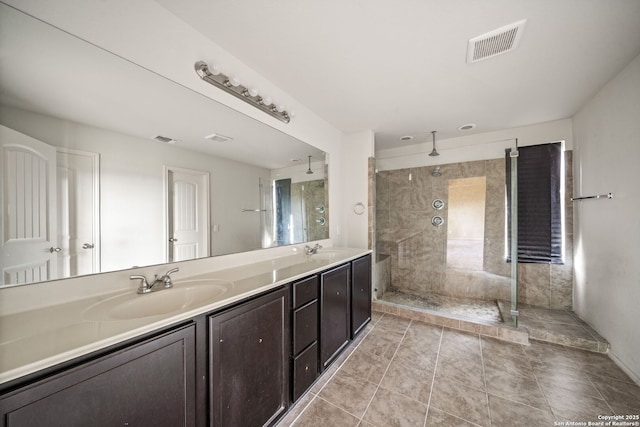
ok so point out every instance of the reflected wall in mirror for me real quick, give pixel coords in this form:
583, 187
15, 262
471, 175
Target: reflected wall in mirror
465, 228
107, 166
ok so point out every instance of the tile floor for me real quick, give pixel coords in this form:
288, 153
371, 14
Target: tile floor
560, 327
401, 372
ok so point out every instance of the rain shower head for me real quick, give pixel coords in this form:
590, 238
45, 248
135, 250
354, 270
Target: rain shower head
309, 171
433, 152
436, 171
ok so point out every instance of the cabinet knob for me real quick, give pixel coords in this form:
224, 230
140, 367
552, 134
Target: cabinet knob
259, 339
306, 368
337, 293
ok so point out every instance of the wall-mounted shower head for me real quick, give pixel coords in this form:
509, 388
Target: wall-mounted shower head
436, 171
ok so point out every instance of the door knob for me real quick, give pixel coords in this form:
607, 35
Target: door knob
52, 249
88, 246
172, 239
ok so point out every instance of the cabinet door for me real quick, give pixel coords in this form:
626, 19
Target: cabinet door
360, 294
249, 374
335, 319
147, 384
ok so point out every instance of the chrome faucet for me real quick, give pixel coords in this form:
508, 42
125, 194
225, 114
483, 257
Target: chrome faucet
145, 287
312, 250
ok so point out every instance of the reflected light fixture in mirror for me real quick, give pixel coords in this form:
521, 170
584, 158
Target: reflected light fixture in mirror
116, 123
232, 85
309, 171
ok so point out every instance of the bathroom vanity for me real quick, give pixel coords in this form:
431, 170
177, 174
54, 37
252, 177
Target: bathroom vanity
241, 358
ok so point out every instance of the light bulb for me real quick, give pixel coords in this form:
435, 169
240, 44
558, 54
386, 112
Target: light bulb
267, 100
235, 81
292, 113
280, 108
214, 69
253, 91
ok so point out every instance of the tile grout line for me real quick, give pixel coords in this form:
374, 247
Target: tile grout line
546, 398
595, 387
484, 377
361, 419
433, 378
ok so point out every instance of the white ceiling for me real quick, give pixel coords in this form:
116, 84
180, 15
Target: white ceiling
398, 67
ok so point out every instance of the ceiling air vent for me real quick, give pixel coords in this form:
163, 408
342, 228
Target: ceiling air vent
218, 138
495, 42
165, 139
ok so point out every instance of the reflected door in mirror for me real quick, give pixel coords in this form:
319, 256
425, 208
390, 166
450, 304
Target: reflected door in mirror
78, 199
188, 214
28, 248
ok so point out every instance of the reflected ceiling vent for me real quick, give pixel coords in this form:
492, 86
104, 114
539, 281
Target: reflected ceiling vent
165, 139
218, 138
496, 42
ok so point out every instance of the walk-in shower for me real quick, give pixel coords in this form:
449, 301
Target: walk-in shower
443, 230
441, 242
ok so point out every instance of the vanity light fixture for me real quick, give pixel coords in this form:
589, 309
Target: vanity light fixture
233, 86
309, 171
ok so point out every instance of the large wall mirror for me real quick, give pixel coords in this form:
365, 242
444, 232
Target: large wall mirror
108, 166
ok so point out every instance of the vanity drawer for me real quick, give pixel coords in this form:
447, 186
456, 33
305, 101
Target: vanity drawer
305, 291
305, 370
305, 326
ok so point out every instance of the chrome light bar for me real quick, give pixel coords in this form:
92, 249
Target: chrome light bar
223, 82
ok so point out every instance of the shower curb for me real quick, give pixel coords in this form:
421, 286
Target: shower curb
502, 332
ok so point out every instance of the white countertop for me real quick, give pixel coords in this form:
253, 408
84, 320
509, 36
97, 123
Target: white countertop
40, 338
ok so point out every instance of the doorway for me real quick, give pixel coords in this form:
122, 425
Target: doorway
187, 214
28, 248
78, 207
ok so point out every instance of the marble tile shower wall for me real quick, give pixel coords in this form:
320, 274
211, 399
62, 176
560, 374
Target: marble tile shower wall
418, 249
310, 196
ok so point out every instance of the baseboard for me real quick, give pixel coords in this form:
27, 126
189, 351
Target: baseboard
633, 375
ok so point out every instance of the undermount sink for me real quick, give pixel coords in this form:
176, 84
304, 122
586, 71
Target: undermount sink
326, 255
182, 297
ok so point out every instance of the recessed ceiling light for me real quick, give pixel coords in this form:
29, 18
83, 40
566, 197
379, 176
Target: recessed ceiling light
406, 138
468, 126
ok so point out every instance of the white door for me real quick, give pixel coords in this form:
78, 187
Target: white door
28, 250
187, 214
78, 206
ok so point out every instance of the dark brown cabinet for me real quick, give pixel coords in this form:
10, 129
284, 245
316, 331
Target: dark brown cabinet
305, 335
335, 313
360, 294
147, 384
249, 362
237, 367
